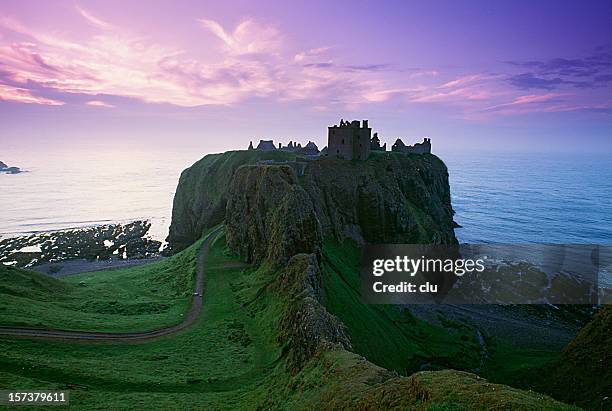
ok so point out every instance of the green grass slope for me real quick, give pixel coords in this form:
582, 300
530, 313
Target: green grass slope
583, 375
234, 357
388, 335
139, 298
392, 338
221, 362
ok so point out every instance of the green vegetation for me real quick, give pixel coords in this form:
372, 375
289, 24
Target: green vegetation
233, 357
582, 374
222, 361
140, 298
516, 366
388, 335
394, 339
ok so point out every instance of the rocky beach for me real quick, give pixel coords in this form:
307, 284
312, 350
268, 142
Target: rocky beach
82, 249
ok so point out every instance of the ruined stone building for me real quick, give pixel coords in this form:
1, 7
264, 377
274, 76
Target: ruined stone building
417, 148
375, 144
309, 149
349, 140
266, 145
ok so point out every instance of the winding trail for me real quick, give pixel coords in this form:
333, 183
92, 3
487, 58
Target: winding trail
190, 318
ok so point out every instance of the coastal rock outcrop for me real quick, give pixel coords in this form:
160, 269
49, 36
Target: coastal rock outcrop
201, 195
280, 218
105, 242
306, 323
9, 170
390, 198
387, 199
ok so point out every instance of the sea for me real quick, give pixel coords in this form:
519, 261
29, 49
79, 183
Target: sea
497, 197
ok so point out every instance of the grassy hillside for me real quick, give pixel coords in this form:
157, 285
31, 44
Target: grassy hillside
392, 338
233, 358
138, 298
583, 374
389, 335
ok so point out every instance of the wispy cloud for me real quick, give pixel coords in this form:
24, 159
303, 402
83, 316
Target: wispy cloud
594, 70
248, 36
22, 95
256, 60
93, 19
524, 100
117, 63
312, 53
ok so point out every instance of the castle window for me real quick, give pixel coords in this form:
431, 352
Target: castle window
342, 141
337, 151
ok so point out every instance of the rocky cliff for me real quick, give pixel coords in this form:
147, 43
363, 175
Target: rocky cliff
391, 198
269, 216
201, 195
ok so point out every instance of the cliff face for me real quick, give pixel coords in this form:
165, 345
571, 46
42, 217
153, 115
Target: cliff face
391, 198
305, 324
200, 199
269, 216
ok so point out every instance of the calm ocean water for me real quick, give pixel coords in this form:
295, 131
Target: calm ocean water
502, 198
532, 198
78, 189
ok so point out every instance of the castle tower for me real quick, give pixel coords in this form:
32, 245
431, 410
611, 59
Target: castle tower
349, 140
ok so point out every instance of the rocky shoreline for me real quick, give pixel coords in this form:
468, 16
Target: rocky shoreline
111, 242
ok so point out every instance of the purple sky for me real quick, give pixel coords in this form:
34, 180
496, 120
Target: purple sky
214, 75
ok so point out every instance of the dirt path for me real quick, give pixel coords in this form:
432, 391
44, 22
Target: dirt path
192, 315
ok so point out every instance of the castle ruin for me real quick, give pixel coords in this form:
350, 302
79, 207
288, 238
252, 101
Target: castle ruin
417, 148
375, 144
349, 140
309, 149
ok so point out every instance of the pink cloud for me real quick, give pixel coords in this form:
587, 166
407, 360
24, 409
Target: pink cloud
303, 56
98, 103
250, 60
522, 104
22, 95
248, 36
117, 63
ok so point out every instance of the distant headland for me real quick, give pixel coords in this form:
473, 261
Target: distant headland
349, 140
9, 170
